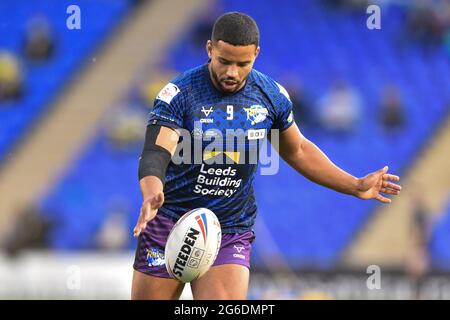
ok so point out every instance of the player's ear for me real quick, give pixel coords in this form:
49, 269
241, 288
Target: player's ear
257, 52
209, 47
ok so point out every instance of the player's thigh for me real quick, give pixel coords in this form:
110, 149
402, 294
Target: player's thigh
222, 282
147, 287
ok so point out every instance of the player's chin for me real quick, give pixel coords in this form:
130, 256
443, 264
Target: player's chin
229, 88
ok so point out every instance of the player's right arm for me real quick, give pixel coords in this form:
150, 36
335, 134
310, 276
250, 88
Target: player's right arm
159, 146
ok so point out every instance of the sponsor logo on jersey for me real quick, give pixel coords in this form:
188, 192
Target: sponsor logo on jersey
168, 93
197, 133
210, 133
217, 181
233, 155
207, 112
253, 134
256, 114
155, 257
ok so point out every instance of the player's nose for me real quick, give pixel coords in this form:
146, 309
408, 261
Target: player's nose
232, 72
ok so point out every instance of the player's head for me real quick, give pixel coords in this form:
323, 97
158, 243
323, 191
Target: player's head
232, 50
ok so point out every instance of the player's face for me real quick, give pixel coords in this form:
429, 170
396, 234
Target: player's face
230, 65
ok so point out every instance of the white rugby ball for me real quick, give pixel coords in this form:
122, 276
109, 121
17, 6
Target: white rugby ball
193, 245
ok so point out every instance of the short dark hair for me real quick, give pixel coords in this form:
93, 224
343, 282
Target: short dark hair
236, 28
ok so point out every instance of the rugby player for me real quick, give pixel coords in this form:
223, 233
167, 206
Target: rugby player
223, 94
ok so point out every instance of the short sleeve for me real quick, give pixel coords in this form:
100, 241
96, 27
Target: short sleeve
284, 116
168, 107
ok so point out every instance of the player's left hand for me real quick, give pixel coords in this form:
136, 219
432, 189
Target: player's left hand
375, 183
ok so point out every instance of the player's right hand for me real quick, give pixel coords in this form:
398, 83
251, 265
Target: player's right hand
148, 211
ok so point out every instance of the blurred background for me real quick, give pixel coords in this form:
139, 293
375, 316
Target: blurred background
78, 78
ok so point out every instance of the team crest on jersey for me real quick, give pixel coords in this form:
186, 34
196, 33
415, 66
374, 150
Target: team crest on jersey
168, 93
155, 257
256, 114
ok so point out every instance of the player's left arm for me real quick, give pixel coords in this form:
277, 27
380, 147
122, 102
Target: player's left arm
307, 159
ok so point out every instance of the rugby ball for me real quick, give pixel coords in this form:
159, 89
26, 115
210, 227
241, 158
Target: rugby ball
193, 245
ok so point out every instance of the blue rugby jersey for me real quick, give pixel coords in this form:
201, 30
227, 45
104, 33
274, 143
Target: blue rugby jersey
191, 102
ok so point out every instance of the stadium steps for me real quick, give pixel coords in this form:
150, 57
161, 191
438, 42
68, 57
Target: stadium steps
385, 240
43, 157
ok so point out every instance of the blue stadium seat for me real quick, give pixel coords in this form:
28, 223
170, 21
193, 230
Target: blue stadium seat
440, 240
73, 48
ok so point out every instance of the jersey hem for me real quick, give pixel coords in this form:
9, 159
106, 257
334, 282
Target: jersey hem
224, 230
